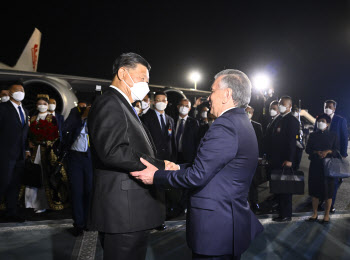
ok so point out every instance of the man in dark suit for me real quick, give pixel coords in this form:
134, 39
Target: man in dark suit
253, 191
146, 105
59, 117
161, 127
338, 126
123, 209
220, 224
13, 136
271, 128
79, 165
283, 150
187, 133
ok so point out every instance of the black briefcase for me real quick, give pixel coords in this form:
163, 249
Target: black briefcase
287, 181
33, 176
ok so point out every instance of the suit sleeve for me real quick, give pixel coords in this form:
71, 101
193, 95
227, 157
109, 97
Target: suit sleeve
109, 136
344, 136
292, 132
218, 148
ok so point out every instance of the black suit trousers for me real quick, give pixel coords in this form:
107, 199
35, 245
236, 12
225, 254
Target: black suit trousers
285, 205
124, 246
10, 182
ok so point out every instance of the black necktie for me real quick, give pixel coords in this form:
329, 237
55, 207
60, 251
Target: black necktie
22, 115
163, 124
179, 132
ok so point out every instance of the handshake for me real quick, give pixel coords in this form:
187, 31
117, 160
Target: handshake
147, 175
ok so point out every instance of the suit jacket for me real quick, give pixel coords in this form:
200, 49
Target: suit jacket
164, 142
60, 123
72, 127
190, 139
340, 127
13, 136
259, 135
283, 141
270, 131
219, 220
120, 203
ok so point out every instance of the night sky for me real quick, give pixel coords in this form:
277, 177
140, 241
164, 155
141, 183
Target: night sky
305, 48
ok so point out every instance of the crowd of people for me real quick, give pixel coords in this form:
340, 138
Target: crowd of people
47, 141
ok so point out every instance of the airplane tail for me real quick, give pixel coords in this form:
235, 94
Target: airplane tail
28, 61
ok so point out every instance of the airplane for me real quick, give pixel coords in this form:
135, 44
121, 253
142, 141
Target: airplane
66, 89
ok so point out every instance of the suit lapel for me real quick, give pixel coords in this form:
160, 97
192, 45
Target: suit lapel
14, 112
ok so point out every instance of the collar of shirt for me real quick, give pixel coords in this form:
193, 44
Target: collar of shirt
286, 114
226, 110
121, 92
332, 115
158, 115
185, 118
15, 105
145, 110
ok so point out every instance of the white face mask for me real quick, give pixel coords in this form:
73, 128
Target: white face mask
282, 109
184, 110
52, 107
144, 105
249, 115
137, 110
204, 114
5, 99
273, 112
18, 96
321, 125
161, 106
296, 114
328, 111
139, 90
42, 108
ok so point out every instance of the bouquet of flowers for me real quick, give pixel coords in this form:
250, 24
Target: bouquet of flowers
42, 131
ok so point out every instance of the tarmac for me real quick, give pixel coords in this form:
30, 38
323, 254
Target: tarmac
48, 236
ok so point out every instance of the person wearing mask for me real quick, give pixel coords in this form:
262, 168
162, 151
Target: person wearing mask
322, 143
4, 96
79, 165
283, 150
203, 122
137, 107
220, 224
339, 127
13, 136
268, 98
122, 209
253, 190
211, 119
41, 142
145, 104
271, 128
52, 110
161, 127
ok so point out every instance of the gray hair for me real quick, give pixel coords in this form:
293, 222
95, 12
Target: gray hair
239, 83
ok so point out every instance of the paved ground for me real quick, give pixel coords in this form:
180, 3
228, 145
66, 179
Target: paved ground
48, 236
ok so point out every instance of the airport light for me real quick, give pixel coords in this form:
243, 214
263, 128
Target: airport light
195, 77
261, 81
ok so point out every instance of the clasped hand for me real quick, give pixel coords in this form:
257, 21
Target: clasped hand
147, 175
323, 154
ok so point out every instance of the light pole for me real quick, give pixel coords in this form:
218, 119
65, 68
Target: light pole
195, 77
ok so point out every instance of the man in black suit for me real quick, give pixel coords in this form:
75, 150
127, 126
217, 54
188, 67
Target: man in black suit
13, 136
274, 117
123, 210
253, 190
283, 149
59, 117
146, 105
187, 133
161, 127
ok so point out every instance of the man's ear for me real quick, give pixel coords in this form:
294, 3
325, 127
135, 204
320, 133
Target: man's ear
121, 73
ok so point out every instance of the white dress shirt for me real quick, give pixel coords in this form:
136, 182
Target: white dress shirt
159, 118
121, 92
16, 107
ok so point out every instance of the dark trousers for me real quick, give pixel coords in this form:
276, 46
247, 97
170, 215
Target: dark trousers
253, 194
285, 205
80, 178
10, 181
124, 246
219, 257
297, 160
337, 183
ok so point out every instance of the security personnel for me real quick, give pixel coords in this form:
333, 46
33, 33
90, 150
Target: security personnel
283, 150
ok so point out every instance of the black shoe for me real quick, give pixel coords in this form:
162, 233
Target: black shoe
311, 219
282, 219
161, 227
332, 210
324, 222
16, 219
77, 231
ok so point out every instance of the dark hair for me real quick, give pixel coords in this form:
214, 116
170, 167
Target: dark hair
42, 98
331, 101
324, 116
129, 60
82, 101
160, 93
274, 103
287, 98
16, 82
135, 102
